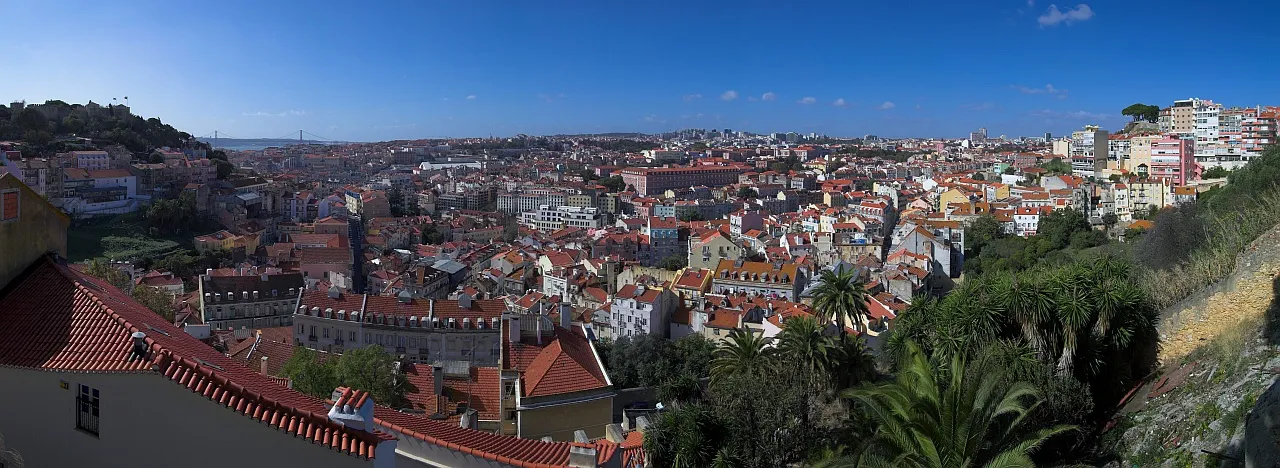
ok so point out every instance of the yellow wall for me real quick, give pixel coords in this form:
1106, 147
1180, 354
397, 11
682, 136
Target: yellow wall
951, 196
39, 229
559, 422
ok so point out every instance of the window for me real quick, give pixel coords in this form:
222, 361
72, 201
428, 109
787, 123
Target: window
87, 410
9, 209
301, 329
326, 332
353, 337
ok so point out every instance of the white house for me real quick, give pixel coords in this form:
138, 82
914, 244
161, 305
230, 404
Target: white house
638, 310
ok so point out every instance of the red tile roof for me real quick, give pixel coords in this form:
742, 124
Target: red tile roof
567, 364
55, 318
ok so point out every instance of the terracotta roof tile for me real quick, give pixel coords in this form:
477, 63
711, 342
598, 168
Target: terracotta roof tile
56, 318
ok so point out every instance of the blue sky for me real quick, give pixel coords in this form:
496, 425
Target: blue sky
379, 70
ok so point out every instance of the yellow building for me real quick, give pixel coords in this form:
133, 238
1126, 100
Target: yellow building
29, 227
553, 382
954, 195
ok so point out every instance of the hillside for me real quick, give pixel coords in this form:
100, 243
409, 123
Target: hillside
57, 126
1217, 361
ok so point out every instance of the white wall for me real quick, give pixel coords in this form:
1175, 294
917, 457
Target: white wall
145, 420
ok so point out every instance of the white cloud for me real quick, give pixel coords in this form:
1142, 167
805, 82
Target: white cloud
839, 102
729, 95
887, 105
807, 100
471, 97
692, 97
1047, 89
654, 119
288, 113
1053, 16
769, 96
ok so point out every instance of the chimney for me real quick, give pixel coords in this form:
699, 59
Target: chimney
582, 456
437, 379
469, 419
566, 315
613, 433
537, 319
263, 370
513, 332
352, 408
139, 346
642, 423
580, 436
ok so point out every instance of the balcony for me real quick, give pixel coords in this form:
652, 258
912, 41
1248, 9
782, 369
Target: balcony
311, 338
337, 341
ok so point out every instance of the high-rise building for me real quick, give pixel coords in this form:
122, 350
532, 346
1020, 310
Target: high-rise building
1048, 137
1089, 150
1182, 116
1171, 158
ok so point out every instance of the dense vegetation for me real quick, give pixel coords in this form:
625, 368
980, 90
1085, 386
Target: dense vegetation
1060, 238
369, 368
648, 361
158, 301
103, 126
1191, 247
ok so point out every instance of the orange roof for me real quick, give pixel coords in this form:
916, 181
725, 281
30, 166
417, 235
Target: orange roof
565, 365
96, 336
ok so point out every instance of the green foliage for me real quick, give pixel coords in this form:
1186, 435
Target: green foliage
673, 262
648, 361
699, 146
979, 176
613, 183
743, 353
982, 231
224, 168
311, 374
1057, 166
691, 216
841, 297
431, 234
168, 215
135, 133
152, 298
369, 368
834, 166
1060, 238
1178, 232
949, 416
1142, 112
1088, 319
746, 192
1010, 170
1216, 172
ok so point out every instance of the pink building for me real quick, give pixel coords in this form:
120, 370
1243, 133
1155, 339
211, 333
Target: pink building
1174, 158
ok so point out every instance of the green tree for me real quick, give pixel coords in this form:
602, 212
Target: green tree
224, 168
310, 374
155, 299
31, 120
979, 176
841, 297
1010, 170
613, 183
1142, 112
687, 438
691, 216
673, 262
1056, 166
745, 192
802, 343
371, 369
109, 273
980, 232
743, 353
1215, 172
431, 234
931, 417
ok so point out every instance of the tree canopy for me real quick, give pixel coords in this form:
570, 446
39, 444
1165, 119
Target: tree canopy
1142, 112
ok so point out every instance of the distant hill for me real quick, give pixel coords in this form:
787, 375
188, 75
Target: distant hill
260, 143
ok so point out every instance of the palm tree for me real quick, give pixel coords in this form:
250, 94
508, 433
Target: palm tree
1030, 303
968, 420
851, 362
841, 297
802, 343
1075, 311
744, 353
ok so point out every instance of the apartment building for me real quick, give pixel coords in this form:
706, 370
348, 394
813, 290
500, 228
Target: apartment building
1172, 158
1089, 149
1182, 117
654, 181
248, 300
639, 310
422, 330
781, 280
550, 218
1258, 132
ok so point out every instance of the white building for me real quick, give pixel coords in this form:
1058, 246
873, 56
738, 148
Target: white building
551, 217
1025, 221
638, 310
117, 377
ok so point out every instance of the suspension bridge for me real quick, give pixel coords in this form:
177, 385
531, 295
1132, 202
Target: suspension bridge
303, 137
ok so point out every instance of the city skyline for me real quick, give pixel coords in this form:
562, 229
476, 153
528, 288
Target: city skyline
1020, 68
